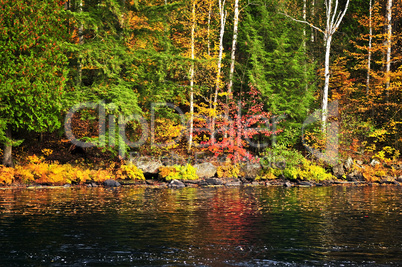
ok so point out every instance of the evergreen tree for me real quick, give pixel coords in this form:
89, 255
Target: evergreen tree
276, 62
32, 68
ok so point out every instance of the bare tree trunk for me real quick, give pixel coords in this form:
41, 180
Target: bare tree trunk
81, 42
209, 28
388, 46
326, 83
8, 148
369, 49
222, 13
312, 14
304, 42
334, 19
233, 52
190, 139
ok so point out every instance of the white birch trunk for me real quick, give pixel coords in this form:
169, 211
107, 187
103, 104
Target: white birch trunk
222, 13
334, 19
81, 42
190, 138
369, 48
326, 82
233, 52
209, 28
312, 14
388, 46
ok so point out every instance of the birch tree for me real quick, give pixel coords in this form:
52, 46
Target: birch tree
369, 47
233, 52
193, 21
388, 45
222, 16
334, 17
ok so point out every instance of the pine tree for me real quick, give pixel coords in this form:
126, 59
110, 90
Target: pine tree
276, 64
33, 67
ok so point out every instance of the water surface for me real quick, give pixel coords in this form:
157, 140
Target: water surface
243, 226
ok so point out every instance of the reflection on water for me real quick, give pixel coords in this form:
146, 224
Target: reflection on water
245, 226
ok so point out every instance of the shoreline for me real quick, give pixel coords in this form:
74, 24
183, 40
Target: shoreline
205, 183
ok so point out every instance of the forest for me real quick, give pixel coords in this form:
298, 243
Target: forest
313, 84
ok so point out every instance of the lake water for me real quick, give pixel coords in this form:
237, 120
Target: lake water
242, 226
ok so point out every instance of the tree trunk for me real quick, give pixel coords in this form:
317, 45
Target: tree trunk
190, 138
326, 83
388, 46
312, 14
369, 49
8, 148
209, 28
232, 60
304, 42
233, 52
222, 13
81, 42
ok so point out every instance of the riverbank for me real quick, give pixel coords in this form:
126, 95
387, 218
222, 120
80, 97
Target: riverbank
153, 172
210, 182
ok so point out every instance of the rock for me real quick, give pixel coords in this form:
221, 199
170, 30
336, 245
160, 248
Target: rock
92, 185
305, 183
147, 165
67, 185
192, 181
251, 171
111, 183
359, 162
355, 176
214, 181
288, 184
205, 170
399, 179
338, 170
374, 163
233, 183
176, 184
150, 182
349, 163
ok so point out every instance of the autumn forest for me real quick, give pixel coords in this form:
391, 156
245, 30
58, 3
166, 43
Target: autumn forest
227, 81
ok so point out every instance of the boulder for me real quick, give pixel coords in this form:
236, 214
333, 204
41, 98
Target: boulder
205, 170
305, 183
338, 170
287, 184
251, 171
374, 163
359, 163
147, 165
176, 184
233, 183
214, 181
349, 163
355, 176
111, 183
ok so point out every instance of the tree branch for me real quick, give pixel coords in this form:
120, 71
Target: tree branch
303, 21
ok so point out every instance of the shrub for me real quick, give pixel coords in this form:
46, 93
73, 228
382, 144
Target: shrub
6, 175
131, 172
228, 170
307, 171
177, 172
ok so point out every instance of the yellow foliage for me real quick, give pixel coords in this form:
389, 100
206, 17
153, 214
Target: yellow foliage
47, 152
228, 170
372, 174
131, 172
6, 175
